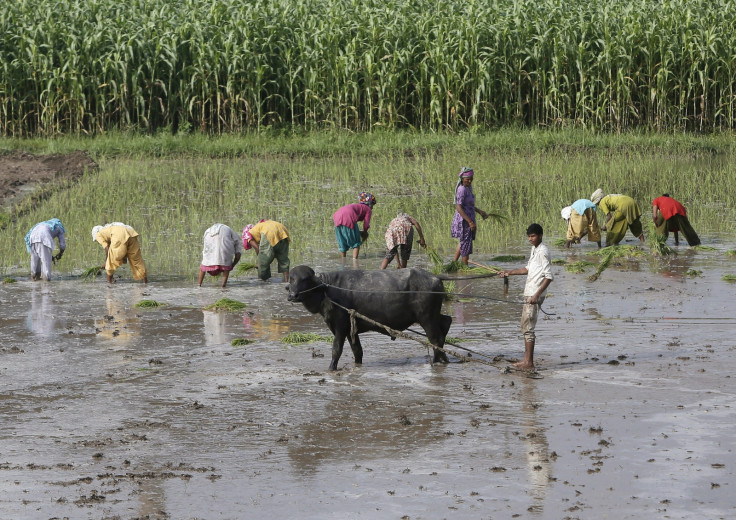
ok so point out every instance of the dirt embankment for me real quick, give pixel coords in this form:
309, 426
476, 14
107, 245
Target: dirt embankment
22, 174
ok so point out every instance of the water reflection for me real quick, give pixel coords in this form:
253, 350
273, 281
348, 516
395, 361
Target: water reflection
121, 323
356, 427
41, 319
536, 446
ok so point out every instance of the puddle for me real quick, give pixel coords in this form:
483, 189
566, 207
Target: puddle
117, 412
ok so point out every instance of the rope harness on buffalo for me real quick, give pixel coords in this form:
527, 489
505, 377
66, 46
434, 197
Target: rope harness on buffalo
355, 315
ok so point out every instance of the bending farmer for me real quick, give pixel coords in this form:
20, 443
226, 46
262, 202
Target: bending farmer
40, 244
221, 252
121, 246
270, 239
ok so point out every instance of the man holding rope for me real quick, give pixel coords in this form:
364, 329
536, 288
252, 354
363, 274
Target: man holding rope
539, 276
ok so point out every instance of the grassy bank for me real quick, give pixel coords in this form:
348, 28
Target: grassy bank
341, 142
171, 198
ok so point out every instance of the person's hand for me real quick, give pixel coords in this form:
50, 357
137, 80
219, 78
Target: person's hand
472, 226
603, 227
483, 214
422, 243
503, 274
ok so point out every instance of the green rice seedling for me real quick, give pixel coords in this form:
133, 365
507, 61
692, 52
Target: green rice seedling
295, 338
149, 304
729, 277
559, 242
244, 267
604, 263
508, 258
559, 261
226, 304
449, 290
578, 267
90, 273
705, 248
693, 272
622, 252
452, 339
658, 244
240, 342
9, 279
731, 253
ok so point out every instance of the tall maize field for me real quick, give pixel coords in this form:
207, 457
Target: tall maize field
221, 66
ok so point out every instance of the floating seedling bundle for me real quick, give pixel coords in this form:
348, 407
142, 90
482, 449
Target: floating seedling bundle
226, 304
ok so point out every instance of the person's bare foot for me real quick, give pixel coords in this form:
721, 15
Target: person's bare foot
521, 365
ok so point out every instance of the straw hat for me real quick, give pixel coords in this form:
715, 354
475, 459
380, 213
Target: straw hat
597, 196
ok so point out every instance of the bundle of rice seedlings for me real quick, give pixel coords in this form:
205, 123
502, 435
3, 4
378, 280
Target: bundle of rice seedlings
240, 342
622, 252
704, 248
560, 242
244, 267
294, 338
729, 278
693, 272
452, 339
508, 258
449, 289
90, 273
559, 261
226, 304
578, 267
730, 252
604, 263
9, 279
499, 218
149, 304
658, 245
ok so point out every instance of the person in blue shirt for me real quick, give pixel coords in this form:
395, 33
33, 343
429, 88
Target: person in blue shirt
581, 220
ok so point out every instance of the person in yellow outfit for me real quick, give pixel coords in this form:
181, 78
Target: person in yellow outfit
622, 213
269, 239
121, 246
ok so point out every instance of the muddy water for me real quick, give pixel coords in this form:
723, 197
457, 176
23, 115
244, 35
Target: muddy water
109, 411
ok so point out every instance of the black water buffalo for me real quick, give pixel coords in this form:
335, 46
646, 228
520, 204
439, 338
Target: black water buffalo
397, 298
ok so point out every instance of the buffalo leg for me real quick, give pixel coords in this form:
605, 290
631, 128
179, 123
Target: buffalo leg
357, 349
436, 333
337, 345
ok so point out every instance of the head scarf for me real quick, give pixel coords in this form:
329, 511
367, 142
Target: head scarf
95, 230
597, 196
53, 224
465, 172
214, 230
366, 198
566, 212
247, 237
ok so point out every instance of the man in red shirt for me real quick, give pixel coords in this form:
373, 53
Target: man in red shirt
670, 215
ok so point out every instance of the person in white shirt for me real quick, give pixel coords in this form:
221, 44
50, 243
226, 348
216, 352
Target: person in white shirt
539, 276
40, 245
221, 252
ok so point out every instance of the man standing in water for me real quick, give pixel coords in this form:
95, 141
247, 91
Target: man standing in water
539, 276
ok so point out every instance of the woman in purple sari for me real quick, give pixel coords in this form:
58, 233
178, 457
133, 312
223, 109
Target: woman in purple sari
463, 223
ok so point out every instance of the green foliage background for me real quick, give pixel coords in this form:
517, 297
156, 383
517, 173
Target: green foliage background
222, 66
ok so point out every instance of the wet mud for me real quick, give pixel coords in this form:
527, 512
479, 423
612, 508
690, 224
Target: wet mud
111, 411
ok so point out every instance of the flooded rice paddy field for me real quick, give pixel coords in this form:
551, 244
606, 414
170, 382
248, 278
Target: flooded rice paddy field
111, 411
